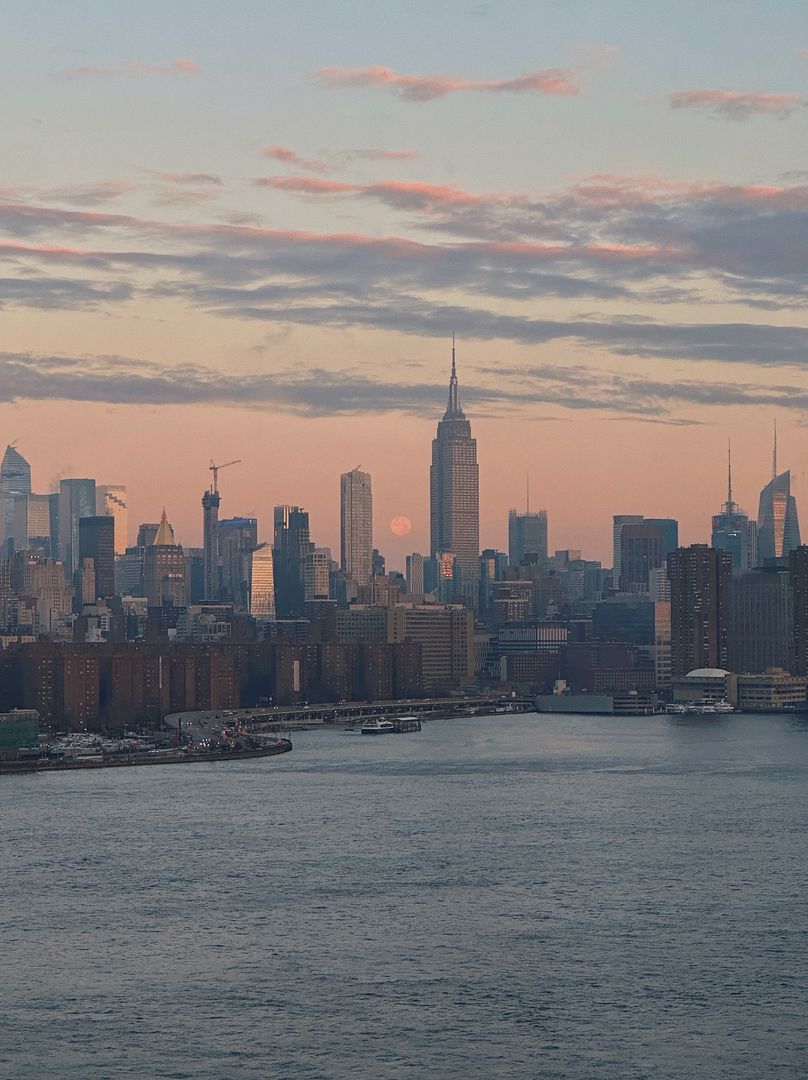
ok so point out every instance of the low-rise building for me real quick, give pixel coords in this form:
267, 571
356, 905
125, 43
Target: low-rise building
775, 690
706, 684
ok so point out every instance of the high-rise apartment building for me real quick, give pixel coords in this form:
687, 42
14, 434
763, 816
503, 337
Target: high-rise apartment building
454, 494
356, 526
293, 551
110, 500
527, 536
97, 543
210, 543
76, 501
700, 604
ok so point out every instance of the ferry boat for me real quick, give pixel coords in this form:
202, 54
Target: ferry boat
700, 708
404, 724
378, 727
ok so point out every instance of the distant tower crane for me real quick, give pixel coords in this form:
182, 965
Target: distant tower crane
215, 470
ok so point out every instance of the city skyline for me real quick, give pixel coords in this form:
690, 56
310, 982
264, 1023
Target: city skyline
279, 283
395, 546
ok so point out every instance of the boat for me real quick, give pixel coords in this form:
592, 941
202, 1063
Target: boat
701, 708
404, 724
378, 727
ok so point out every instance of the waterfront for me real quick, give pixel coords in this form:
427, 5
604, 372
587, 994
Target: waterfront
593, 898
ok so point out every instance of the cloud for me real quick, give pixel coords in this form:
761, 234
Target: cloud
117, 380
553, 81
290, 157
85, 194
185, 196
736, 104
135, 69
624, 240
186, 178
51, 294
401, 194
383, 155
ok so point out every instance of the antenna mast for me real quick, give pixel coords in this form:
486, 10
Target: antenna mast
774, 452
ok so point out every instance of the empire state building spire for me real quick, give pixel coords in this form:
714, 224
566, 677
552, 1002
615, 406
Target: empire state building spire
453, 408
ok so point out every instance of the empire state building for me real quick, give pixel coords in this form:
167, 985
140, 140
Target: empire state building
454, 490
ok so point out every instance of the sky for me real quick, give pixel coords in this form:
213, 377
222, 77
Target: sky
249, 231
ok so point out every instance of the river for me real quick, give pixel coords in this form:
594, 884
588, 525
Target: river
586, 898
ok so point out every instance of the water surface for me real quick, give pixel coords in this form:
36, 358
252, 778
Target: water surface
560, 897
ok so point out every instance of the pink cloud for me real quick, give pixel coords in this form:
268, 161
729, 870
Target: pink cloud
290, 157
181, 66
736, 104
407, 195
307, 185
428, 87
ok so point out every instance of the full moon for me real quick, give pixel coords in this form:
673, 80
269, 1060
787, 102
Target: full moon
400, 526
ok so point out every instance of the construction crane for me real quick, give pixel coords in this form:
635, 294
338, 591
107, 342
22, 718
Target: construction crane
215, 470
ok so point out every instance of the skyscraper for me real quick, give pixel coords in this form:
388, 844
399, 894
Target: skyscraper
618, 521
641, 551
97, 543
262, 583
798, 576
356, 525
238, 538
164, 568
76, 500
31, 526
210, 543
293, 551
761, 621
527, 535
317, 583
734, 532
454, 494
778, 524
15, 473
15, 480
700, 605
110, 499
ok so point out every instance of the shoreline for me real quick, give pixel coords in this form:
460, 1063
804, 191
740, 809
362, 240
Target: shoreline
10, 768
